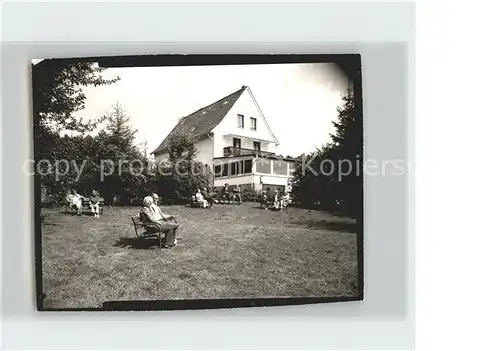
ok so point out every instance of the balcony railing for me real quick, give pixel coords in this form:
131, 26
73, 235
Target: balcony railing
236, 151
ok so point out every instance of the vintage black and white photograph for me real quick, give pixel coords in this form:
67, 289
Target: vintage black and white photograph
182, 179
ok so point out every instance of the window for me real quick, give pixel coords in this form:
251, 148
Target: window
256, 145
218, 171
241, 121
280, 167
247, 166
253, 123
225, 170
237, 143
263, 165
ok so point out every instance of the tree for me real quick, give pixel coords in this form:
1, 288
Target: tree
181, 175
126, 175
181, 145
121, 134
340, 187
57, 95
348, 136
347, 149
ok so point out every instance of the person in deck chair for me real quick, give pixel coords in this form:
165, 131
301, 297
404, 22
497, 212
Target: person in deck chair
94, 203
151, 213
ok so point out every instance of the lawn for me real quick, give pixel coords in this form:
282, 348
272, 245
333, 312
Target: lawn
230, 251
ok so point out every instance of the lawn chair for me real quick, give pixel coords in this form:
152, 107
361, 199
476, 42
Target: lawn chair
148, 235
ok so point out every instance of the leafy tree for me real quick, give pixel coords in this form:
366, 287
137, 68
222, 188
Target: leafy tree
340, 187
57, 95
181, 145
180, 175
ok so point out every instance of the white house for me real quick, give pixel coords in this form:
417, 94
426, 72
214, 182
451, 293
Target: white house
235, 140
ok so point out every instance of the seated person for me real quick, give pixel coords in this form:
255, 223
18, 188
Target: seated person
94, 203
264, 199
277, 200
152, 214
237, 194
200, 199
208, 196
226, 195
75, 200
285, 200
157, 211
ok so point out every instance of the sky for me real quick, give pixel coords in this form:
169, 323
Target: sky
299, 101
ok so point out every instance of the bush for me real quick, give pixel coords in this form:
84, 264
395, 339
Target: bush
250, 196
179, 187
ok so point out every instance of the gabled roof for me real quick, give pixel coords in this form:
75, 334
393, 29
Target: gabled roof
203, 121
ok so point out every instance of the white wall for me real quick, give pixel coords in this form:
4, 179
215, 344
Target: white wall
229, 125
252, 179
242, 179
275, 180
205, 154
160, 157
205, 150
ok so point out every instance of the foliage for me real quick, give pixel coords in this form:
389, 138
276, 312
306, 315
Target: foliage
180, 175
248, 195
109, 163
57, 95
316, 184
348, 146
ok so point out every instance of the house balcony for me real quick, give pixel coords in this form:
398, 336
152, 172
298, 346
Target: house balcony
236, 151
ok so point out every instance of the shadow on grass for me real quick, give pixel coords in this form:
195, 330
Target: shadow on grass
136, 243
74, 213
338, 226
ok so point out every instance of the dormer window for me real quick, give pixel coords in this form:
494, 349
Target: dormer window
253, 123
241, 121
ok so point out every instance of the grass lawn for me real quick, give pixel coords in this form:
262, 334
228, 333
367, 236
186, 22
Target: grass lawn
230, 251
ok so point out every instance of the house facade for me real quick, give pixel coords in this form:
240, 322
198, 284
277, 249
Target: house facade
236, 142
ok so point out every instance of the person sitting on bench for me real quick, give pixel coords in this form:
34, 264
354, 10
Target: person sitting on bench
225, 195
151, 213
237, 194
264, 199
200, 199
285, 200
208, 196
277, 200
94, 203
75, 200
156, 203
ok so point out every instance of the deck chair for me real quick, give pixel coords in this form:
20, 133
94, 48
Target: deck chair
142, 233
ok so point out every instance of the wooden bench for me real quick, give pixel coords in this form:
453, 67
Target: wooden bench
86, 203
143, 233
